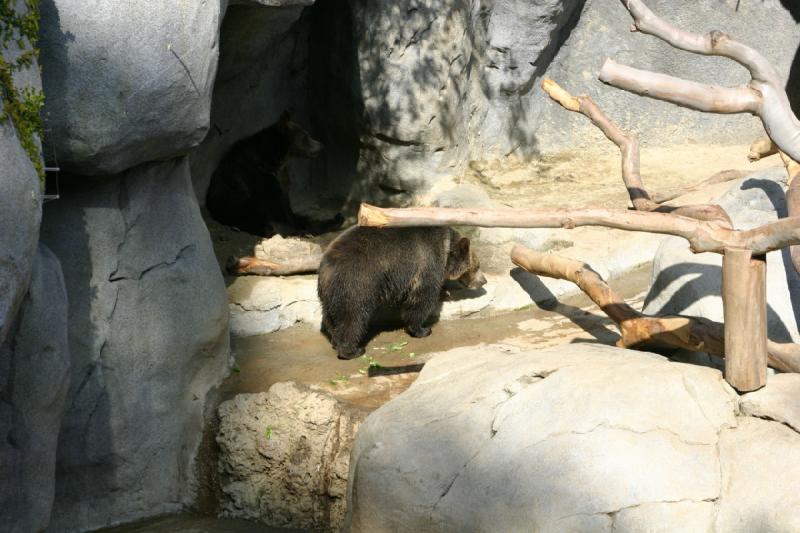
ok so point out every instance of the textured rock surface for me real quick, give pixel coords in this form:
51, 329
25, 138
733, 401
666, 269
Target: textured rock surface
434, 84
34, 376
265, 304
20, 213
690, 284
148, 339
282, 250
494, 438
780, 401
20, 205
284, 456
127, 81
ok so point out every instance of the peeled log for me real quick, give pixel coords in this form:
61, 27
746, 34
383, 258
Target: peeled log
637, 329
703, 236
242, 266
744, 298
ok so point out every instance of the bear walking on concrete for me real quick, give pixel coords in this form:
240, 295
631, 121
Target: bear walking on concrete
365, 268
247, 189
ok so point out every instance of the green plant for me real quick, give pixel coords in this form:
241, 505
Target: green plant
339, 379
22, 107
371, 362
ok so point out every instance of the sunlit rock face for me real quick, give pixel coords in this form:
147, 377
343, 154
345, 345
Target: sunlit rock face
128, 93
127, 81
445, 81
436, 84
576, 438
284, 456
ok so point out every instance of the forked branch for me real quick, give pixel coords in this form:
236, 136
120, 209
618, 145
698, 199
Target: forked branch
764, 96
628, 145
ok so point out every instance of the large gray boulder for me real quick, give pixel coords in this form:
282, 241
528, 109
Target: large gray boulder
20, 213
284, 456
127, 81
148, 337
492, 438
20, 191
691, 284
34, 376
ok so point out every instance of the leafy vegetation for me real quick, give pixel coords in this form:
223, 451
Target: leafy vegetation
22, 107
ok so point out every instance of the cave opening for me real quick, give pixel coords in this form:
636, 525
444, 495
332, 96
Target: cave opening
273, 61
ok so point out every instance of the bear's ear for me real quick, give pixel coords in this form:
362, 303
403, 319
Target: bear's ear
286, 116
463, 245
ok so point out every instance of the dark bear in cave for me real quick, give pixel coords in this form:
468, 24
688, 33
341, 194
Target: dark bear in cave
248, 189
366, 268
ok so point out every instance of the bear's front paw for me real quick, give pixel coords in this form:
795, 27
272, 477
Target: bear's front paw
351, 354
419, 332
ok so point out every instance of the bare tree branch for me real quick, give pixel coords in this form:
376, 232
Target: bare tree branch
685, 93
720, 177
763, 96
638, 329
714, 43
628, 145
761, 148
703, 236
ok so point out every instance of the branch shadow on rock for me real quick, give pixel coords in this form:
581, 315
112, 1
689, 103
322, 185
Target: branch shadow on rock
593, 324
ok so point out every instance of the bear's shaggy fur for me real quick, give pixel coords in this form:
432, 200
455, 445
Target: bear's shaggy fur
247, 190
365, 268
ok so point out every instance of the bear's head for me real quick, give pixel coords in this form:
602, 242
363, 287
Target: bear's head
463, 264
301, 144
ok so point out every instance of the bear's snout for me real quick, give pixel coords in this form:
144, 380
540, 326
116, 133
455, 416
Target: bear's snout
478, 281
314, 148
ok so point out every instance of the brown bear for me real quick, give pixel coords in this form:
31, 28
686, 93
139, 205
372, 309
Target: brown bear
247, 189
366, 268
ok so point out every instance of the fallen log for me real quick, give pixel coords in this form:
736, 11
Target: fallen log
253, 266
637, 329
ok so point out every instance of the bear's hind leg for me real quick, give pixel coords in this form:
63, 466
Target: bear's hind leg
347, 335
418, 308
326, 328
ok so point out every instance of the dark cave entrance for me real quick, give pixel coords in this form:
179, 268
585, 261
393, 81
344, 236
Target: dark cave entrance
297, 59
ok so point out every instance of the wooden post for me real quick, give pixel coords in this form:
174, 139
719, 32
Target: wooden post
744, 288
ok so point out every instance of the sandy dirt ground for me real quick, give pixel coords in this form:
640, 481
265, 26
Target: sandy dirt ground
594, 179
